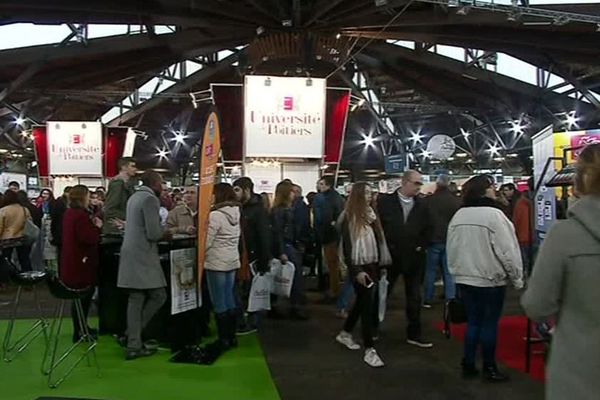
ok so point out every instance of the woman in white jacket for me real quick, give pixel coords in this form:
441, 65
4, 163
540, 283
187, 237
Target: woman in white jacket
221, 264
483, 257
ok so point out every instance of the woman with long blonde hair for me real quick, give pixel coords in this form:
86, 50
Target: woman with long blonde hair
364, 252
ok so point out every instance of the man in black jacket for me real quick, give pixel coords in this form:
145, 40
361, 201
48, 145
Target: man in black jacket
327, 208
441, 207
255, 232
57, 211
404, 220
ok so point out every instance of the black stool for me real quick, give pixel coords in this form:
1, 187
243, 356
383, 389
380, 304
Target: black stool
52, 360
28, 280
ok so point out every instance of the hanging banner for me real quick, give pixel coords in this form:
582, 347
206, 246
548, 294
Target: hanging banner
211, 147
74, 148
284, 117
183, 285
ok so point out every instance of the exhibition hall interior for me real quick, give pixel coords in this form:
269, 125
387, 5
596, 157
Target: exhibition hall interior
299, 199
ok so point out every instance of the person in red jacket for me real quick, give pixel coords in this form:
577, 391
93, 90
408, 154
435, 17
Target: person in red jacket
522, 220
79, 254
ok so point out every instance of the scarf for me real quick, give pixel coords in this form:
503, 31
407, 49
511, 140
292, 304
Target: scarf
365, 249
483, 202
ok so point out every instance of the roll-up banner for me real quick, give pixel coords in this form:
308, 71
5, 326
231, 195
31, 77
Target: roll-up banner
211, 147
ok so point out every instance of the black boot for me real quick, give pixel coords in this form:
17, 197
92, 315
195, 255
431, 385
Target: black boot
213, 350
469, 370
491, 374
232, 328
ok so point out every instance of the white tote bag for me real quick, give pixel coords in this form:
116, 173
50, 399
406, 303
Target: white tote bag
260, 292
383, 292
283, 277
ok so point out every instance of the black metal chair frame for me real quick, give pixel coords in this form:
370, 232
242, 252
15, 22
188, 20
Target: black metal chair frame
10, 348
52, 360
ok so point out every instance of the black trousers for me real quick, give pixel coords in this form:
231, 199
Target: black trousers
413, 281
85, 305
365, 308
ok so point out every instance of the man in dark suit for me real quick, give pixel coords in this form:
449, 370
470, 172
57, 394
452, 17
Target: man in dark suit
404, 220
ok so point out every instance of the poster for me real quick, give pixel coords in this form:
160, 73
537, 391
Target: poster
210, 150
74, 148
284, 117
183, 284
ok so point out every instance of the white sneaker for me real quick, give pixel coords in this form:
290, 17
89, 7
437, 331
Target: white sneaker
346, 339
420, 343
373, 359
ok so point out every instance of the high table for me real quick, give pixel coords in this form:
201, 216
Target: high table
178, 330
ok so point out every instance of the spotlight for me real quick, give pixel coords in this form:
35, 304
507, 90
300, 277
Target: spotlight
426, 154
416, 137
493, 149
260, 30
338, 36
572, 120
516, 127
161, 153
368, 140
287, 23
19, 121
465, 133
361, 102
180, 137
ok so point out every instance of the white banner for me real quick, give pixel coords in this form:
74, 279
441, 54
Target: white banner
75, 148
284, 117
183, 283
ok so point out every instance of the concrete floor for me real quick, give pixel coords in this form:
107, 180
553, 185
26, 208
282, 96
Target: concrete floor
306, 362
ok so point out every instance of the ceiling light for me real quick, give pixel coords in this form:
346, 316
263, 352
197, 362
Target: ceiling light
572, 120
180, 137
19, 121
416, 137
361, 102
462, 155
368, 141
161, 153
465, 133
493, 149
426, 154
516, 127
499, 159
338, 36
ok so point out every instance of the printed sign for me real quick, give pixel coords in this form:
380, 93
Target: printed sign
284, 117
75, 148
183, 284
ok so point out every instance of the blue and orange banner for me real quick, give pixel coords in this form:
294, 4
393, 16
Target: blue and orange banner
211, 148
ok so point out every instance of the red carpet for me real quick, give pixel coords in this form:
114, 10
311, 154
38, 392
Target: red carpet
511, 345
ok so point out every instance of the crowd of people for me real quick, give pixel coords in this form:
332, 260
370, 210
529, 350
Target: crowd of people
479, 239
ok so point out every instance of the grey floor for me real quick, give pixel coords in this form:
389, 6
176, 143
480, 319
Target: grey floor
306, 362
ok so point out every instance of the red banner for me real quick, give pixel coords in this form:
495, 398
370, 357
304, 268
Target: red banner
209, 156
338, 103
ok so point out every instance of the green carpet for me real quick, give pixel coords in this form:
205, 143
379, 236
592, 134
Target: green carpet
241, 373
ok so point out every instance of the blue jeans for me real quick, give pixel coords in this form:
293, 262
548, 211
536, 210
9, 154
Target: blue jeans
220, 288
484, 308
346, 294
436, 256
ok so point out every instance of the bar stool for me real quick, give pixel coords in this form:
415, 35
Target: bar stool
52, 359
23, 280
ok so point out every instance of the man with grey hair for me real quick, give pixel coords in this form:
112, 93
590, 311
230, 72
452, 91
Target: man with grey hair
441, 207
404, 219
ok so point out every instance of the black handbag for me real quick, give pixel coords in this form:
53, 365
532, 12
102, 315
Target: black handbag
454, 313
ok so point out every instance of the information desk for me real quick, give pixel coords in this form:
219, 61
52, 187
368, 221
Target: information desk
180, 329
